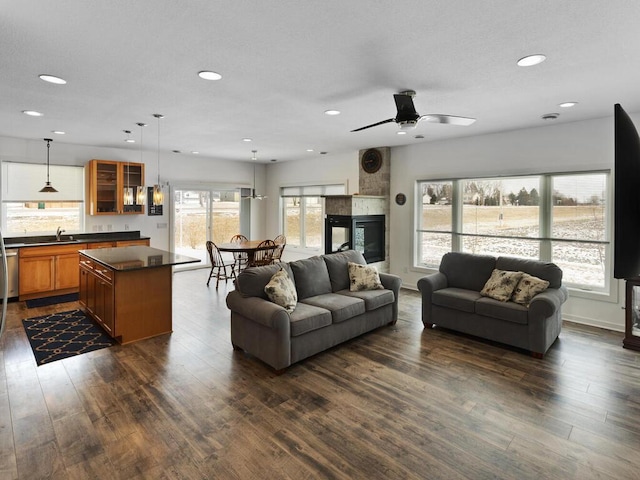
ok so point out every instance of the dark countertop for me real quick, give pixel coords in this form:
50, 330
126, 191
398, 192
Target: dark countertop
42, 240
136, 257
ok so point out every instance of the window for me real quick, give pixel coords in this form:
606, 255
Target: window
554, 217
25, 210
303, 214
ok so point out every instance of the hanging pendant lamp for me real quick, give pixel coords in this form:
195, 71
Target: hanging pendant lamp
47, 186
128, 191
253, 195
141, 195
158, 196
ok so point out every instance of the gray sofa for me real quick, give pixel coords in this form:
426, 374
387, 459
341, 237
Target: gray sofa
451, 298
327, 312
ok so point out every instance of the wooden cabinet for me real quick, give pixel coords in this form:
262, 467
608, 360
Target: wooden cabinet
97, 293
49, 270
106, 183
130, 304
129, 243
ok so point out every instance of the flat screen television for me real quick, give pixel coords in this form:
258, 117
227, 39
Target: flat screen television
626, 255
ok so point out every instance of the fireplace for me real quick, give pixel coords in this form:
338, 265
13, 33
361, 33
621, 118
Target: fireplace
364, 233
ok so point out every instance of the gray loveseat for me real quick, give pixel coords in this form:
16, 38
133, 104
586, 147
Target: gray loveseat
327, 312
451, 298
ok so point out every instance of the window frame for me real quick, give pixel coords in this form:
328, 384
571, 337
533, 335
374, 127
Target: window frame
302, 192
546, 241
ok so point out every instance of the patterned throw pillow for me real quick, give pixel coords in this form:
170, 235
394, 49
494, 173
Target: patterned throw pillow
528, 287
363, 277
501, 284
282, 291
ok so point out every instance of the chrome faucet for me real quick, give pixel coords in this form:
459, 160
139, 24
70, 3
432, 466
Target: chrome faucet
58, 233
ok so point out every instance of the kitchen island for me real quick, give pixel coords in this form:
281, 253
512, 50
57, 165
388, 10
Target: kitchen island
128, 290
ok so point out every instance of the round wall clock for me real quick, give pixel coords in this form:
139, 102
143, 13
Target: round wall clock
401, 199
371, 160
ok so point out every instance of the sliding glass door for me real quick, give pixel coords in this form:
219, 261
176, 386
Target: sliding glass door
203, 214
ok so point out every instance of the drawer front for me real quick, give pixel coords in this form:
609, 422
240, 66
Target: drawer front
27, 252
103, 272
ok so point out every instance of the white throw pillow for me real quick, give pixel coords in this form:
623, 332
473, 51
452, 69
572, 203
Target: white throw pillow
528, 287
282, 291
363, 277
501, 284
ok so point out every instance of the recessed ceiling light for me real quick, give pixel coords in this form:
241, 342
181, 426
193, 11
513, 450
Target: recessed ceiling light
567, 104
195, 152
531, 60
32, 113
52, 79
208, 75
274, 159
247, 140
419, 136
176, 151
58, 132
550, 116
401, 132
332, 112
309, 149
130, 140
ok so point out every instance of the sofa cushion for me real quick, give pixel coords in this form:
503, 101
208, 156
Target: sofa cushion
501, 284
306, 318
363, 277
545, 270
311, 277
341, 307
372, 298
457, 298
282, 291
527, 288
466, 270
251, 281
338, 269
508, 311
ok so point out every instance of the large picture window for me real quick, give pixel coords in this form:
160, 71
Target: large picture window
553, 217
26, 210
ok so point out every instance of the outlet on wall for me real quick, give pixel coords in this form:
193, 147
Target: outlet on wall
126, 226
108, 228
162, 225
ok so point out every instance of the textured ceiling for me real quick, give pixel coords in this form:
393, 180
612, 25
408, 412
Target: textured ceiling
284, 62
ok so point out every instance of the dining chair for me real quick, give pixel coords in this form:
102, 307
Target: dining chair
241, 259
264, 253
218, 267
281, 242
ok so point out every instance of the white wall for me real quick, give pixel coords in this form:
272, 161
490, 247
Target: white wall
574, 146
339, 168
173, 168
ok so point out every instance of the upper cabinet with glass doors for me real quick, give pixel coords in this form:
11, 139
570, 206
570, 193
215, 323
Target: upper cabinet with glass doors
115, 188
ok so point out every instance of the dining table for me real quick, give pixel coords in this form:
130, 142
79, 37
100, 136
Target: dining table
250, 247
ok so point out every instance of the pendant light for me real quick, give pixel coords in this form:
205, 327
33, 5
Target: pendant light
128, 191
141, 195
47, 186
253, 195
158, 196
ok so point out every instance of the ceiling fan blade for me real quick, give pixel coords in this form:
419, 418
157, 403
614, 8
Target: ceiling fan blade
448, 119
375, 124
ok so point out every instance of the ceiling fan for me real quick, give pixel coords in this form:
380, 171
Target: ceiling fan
407, 117
253, 195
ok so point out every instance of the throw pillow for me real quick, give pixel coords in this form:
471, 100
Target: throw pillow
282, 291
528, 287
363, 277
501, 284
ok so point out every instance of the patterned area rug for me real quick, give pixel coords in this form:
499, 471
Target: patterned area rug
65, 334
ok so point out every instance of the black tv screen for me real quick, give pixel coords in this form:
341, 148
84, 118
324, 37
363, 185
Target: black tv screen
626, 254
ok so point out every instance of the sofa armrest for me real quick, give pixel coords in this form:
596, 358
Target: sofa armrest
427, 285
547, 303
430, 283
392, 282
259, 310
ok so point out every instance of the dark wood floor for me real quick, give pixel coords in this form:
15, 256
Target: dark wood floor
401, 402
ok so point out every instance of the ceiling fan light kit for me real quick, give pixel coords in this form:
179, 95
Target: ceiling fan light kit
407, 117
